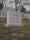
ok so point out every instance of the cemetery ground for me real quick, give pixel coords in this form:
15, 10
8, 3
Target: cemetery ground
14, 32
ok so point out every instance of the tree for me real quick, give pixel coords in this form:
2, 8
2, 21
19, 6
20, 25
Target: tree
1, 6
2, 1
16, 2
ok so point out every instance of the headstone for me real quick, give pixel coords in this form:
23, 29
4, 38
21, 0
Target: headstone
28, 16
14, 18
27, 7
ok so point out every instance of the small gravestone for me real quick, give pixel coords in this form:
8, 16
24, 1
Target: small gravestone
14, 18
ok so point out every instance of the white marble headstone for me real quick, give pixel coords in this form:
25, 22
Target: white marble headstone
14, 18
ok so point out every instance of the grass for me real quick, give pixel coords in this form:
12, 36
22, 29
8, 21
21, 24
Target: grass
3, 31
6, 32
3, 19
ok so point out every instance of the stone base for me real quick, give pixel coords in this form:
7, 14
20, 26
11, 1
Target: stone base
14, 25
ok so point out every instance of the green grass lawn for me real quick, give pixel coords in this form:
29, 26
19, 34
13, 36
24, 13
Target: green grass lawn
6, 32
